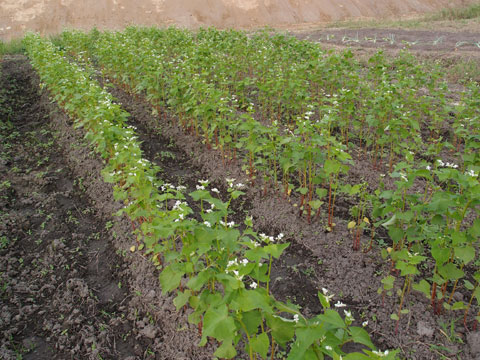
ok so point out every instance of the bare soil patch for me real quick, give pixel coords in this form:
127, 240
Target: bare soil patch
415, 40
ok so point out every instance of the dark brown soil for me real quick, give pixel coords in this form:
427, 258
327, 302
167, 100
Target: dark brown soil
316, 258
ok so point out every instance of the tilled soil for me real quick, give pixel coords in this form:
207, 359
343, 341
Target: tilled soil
415, 40
69, 286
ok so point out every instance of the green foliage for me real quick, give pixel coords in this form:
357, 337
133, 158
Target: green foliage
471, 11
12, 47
222, 273
293, 114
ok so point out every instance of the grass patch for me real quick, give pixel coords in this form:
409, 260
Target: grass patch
11, 47
459, 71
471, 11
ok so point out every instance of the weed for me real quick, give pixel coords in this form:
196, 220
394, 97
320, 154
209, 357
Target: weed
11, 47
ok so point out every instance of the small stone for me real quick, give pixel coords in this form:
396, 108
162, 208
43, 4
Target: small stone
29, 343
150, 295
149, 331
457, 296
424, 330
473, 341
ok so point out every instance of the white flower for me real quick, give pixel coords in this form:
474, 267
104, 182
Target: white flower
231, 224
215, 190
229, 180
235, 272
200, 187
203, 182
380, 353
429, 167
232, 262
348, 315
207, 224
296, 318
244, 262
253, 285
208, 211
471, 173
280, 236
365, 323
329, 348
340, 304
240, 186
325, 291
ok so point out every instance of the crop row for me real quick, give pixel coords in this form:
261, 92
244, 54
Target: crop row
223, 274
294, 113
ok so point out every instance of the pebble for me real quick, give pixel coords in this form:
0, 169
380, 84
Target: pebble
424, 330
473, 341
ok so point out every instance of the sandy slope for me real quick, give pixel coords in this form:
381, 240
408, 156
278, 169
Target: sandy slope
50, 16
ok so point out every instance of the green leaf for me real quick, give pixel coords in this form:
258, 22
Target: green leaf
361, 336
252, 320
394, 317
226, 350
247, 300
356, 356
260, 344
315, 204
181, 299
441, 255
459, 305
438, 220
332, 317
218, 324
197, 282
423, 286
387, 223
302, 190
170, 279
450, 271
331, 166
305, 337
229, 238
275, 249
323, 300
396, 234
282, 329
475, 229
321, 192
465, 254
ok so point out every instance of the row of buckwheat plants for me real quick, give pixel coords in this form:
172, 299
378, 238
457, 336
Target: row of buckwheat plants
296, 110
220, 272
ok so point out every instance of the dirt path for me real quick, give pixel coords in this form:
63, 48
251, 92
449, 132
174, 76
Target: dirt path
61, 283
